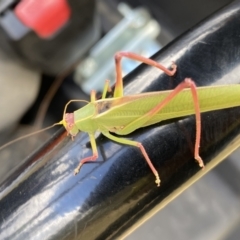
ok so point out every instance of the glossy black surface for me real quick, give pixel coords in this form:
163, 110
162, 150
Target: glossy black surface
43, 200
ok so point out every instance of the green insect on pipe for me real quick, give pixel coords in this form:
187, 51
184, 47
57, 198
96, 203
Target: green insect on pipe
124, 114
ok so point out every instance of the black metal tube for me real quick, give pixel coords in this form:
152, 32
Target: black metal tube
43, 200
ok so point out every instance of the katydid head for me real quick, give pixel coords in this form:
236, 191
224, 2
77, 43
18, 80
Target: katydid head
68, 119
68, 123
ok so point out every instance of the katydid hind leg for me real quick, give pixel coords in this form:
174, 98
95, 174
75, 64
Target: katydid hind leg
118, 92
140, 146
187, 83
91, 158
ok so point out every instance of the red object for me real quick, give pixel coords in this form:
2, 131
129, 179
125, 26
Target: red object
45, 17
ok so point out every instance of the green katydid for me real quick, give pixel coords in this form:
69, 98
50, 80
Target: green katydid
124, 114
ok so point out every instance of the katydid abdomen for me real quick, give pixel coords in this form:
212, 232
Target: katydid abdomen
122, 111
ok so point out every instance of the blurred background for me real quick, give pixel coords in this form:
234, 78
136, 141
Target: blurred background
45, 63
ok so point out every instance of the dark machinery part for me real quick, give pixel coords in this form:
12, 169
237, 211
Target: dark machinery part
48, 35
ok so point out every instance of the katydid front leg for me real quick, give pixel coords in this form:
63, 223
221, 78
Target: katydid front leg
92, 158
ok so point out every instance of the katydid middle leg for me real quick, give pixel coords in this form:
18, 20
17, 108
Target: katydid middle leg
187, 83
140, 146
118, 92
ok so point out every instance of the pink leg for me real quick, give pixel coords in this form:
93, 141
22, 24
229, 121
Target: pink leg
118, 57
157, 181
140, 146
187, 83
88, 159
